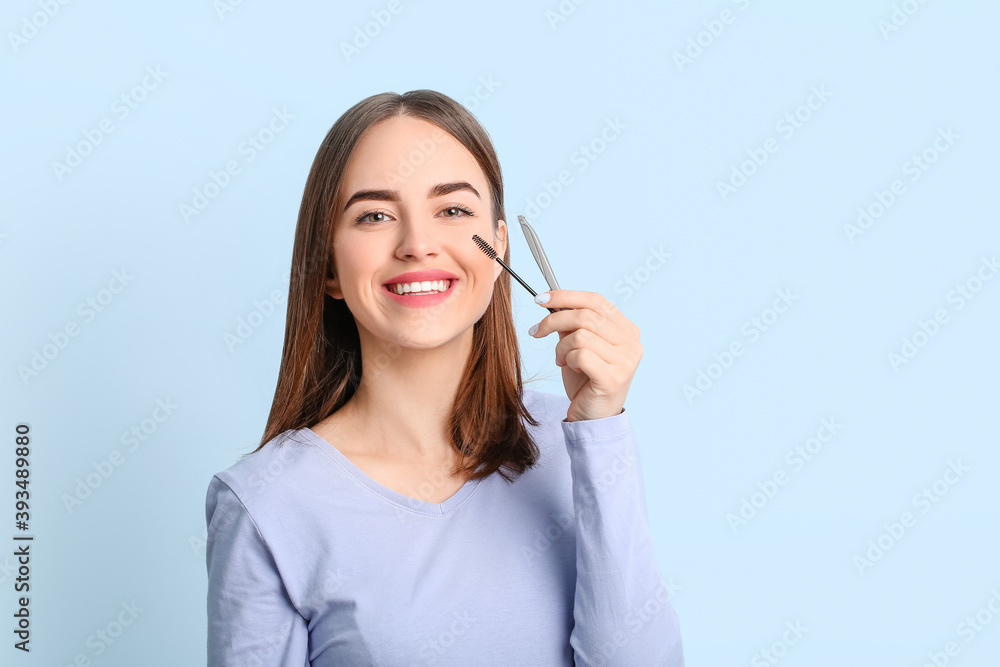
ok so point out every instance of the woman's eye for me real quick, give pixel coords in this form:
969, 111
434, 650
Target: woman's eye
371, 217
452, 211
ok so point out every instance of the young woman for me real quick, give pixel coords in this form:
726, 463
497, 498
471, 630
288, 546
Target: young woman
410, 503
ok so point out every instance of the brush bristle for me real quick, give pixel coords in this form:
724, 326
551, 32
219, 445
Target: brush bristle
484, 246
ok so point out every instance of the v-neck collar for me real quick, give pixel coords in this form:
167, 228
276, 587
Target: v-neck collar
392, 496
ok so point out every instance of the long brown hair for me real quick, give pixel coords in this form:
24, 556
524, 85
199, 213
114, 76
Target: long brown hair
321, 360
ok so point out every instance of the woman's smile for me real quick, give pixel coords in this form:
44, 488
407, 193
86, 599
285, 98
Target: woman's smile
417, 289
421, 294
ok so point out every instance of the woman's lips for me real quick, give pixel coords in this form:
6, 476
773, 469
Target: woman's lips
421, 300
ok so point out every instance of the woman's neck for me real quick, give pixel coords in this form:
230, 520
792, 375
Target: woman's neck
403, 406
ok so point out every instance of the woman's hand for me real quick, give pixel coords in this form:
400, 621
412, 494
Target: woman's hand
598, 350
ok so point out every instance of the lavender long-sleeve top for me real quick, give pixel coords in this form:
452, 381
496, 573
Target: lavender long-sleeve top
312, 562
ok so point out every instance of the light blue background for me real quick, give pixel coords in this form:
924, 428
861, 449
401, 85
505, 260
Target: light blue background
139, 535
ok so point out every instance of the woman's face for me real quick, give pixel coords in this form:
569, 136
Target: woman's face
413, 198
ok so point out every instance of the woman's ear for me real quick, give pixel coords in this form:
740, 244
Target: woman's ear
333, 285
502, 236
500, 245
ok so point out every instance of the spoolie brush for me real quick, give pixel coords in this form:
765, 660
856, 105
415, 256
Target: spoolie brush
492, 254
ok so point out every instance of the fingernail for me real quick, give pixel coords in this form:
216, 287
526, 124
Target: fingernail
533, 330
543, 298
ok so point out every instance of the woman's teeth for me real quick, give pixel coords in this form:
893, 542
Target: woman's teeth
426, 286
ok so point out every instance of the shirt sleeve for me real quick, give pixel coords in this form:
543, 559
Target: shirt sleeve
251, 620
621, 611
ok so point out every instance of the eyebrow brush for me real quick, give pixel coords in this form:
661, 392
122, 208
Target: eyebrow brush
492, 254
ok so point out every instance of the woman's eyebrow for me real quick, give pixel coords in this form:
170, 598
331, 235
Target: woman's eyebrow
438, 190
376, 195
442, 189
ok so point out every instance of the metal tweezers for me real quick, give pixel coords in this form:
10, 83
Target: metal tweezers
538, 253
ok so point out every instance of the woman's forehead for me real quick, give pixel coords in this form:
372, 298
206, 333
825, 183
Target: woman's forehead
411, 154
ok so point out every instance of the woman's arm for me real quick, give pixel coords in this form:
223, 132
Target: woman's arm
251, 621
621, 612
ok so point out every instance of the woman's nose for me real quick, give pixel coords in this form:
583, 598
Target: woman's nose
417, 237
